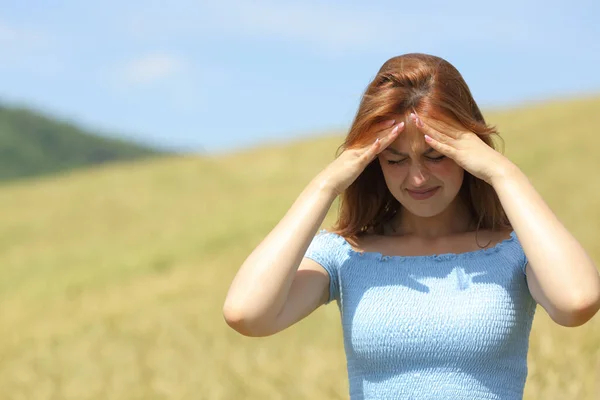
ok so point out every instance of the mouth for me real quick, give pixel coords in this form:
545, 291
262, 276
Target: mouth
423, 193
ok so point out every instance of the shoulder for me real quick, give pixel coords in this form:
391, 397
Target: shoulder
325, 236
325, 244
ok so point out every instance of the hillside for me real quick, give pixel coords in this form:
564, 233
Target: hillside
113, 279
33, 144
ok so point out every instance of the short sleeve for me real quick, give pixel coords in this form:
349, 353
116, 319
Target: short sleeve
522, 256
525, 261
324, 249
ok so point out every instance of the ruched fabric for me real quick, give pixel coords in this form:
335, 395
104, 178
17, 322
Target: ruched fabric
447, 326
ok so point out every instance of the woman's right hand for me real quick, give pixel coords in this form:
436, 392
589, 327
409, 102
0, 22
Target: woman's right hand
346, 168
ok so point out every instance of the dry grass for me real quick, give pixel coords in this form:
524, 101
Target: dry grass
113, 279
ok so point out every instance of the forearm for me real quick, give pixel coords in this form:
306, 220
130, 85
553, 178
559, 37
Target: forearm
564, 271
260, 287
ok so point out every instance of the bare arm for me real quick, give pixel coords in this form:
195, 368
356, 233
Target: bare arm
258, 293
274, 287
561, 276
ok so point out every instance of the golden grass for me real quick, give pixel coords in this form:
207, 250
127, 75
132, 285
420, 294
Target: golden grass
113, 279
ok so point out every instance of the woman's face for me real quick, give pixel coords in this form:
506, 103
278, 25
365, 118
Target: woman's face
423, 180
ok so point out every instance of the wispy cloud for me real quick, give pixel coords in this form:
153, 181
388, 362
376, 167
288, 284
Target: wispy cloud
328, 27
331, 29
19, 42
161, 78
150, 69
343, 28
20, 36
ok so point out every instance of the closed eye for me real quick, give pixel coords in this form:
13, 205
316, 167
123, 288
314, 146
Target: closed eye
436, 159
432, 159
396, 162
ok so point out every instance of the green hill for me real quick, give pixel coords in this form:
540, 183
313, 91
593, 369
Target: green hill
113, 279
33, 144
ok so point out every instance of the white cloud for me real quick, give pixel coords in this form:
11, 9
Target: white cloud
330, 29
151, 69
161, 78
324, 26
18, 44
19, 36
343, 28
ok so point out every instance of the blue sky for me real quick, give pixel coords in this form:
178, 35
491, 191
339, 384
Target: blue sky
220, 75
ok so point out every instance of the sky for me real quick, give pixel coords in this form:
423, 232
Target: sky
215, 76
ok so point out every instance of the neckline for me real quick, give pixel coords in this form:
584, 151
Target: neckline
434, 257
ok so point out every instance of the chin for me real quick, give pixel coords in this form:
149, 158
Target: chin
425, 209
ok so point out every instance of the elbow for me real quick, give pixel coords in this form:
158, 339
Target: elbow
239, 321
581, 311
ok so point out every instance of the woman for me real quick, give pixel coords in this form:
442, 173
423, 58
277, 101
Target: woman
440, 253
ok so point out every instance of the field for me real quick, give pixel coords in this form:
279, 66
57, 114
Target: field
113, 278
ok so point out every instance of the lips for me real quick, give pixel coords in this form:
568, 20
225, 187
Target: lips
421, 191
422, 194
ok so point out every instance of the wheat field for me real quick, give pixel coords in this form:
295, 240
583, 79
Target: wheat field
113, 278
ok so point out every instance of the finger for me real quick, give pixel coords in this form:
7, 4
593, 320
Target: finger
389, 136
383, 125
370, 151
443, 148
428, 130
437, 126
382, 142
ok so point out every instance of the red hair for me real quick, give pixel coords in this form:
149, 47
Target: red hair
433, 88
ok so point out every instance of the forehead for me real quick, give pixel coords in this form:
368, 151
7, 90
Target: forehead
410, 140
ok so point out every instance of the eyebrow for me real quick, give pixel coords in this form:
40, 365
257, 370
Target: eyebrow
396, 152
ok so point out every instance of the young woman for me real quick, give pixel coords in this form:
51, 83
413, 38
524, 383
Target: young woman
440, 253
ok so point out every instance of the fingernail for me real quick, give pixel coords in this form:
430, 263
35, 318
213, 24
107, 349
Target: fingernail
412, 116
401, 124
420, 122
390, 122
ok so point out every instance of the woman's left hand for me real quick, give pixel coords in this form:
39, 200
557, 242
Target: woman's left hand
465, 148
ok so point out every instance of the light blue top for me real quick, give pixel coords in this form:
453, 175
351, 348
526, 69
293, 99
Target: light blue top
449, 326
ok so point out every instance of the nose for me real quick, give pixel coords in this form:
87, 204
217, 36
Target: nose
417, 175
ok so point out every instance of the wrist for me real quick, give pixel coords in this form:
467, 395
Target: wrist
506, 171
323, 187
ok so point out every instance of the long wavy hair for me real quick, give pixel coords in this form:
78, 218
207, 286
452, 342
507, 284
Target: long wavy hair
433, 88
